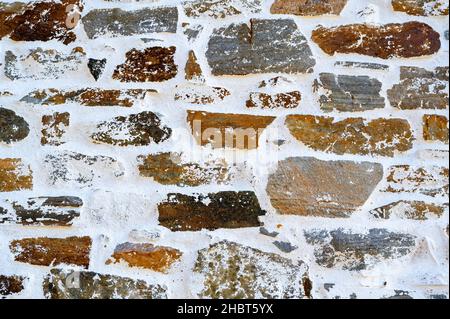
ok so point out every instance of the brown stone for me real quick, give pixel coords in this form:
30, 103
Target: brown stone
52, 251
87, 97
217, 210
193, 69
421, 7
416, 210
407, 40
10, 285
307, 7
200, 94
228, 130
381, 136
14, 175
288, 100
435, 128
54, 128
157, 258
306, 186
155, 64
168, 169
40, 21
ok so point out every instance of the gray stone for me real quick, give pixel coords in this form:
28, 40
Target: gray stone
264, 231
192, 31
67, 284
284, 246
348, 93
13, 128
117, 22
220, 8
362, 65
344, 249
240, 50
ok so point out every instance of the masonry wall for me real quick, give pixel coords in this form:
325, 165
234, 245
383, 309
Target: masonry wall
224, 149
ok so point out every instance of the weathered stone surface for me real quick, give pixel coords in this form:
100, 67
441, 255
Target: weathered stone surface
308, 8
98, 286
10, 285
52, 251
289, 100
416, 210
13, 128
240, 50
233, 271
70, 169
383, 137
223, 130
149, 256
154, 64
48, 211
135, 129
307, 186
431, 181
96, 67
220, 9
168, 169
87, 97
348, 93
407, 40
421, 7
362, 65
192, 31
193, 69
435, 128
285, 246
216, 210
14, 175
117, 22
352, 251
420, 89
200, 94
40, 21
54, 128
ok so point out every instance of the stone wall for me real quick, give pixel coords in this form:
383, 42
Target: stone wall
224, 149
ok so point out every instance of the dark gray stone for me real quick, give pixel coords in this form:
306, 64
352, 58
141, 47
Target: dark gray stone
285, 247
266, 232
240, 50
13, 128
96, 67
362, 65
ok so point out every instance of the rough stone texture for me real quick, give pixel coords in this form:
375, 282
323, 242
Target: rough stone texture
79, 170
14, 175
416, 210
155, 64
219, 9
13, 128
362, 65
118, 22
87, 97
435, 128
352, 251
239, 49
307, 7
382, 137
220, 210
135, 129
407, 40
54, 128
200, 94
193, 69
307, 186
149, 256
420, 89
90, 285
431, 181
421, 7
10, 285
39, 64
97, 67
348, 93
168, 169
288, 100
52, 251
192, 31
228, 130
233, 271
40, 21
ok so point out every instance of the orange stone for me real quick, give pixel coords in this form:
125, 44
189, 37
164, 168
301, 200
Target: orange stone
435, 128
14, 175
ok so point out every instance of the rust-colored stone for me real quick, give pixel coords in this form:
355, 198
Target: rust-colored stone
307, 7
10, 285
352, 135
416, 210
52, 251
223, 130
435, 128
54, 128
407, 40
40, 21
288, 100
155, 64
421, 7
193, 69
157, 258
14, 175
